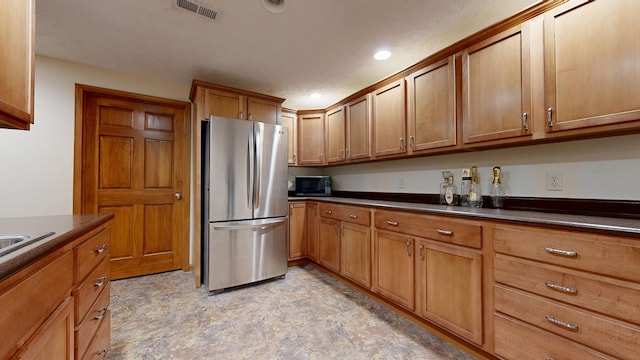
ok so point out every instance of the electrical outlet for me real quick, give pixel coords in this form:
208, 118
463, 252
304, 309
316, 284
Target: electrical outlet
401, 183
554, 181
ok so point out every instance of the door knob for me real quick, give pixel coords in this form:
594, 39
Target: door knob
178, 196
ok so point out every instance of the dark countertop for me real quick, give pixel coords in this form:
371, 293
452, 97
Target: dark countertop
66, 227
595, 224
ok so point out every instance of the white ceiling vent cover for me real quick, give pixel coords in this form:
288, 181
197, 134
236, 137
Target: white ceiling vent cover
196, 8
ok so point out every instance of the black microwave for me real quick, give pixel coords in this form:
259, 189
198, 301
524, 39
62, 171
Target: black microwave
313, 185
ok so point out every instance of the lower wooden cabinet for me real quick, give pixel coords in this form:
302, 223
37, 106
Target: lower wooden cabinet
297, 230
313, 231
329, 248
356, 253
394, 273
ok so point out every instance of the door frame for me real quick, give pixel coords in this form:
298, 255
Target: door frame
82, 91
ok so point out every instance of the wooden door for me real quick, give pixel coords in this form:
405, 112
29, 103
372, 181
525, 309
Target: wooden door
335, 131
450, 279
225, 104
329, 244
297, 231
313, 224
591, 61
356, 253
496, 87
394, 273
431, 105
389, 119
358, 129
288, 119
311, 139
132, 160
263, 110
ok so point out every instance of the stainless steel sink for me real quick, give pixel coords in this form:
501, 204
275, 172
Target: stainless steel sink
12, 242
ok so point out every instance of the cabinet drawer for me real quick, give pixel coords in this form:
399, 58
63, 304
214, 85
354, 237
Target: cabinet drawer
448, 230
88, 326
27, 304
99, 346
601, 333
515, 340
89, 290
607, 255
90, 253
350, 214
616, 298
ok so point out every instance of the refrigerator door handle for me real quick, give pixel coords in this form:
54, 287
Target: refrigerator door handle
264, 224
250, 167
258, 164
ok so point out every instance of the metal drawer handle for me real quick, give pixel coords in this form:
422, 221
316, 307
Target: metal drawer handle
101, 281
353, 216
421, 252
550, 117
554, 251
102, 248
444, 232
552, 285
525, 125
101, 312
412, 141
328, 212
392, 223
553, 320
408, 248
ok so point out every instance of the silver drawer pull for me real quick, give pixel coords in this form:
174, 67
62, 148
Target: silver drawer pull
102, 248
392, 223
101, 312
421, 252
553, 320
444, 232
328, 212
408, 248
552, 285
554, 251
101, 281
353, 216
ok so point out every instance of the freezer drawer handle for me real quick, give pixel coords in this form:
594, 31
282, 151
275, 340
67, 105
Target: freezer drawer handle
553, 320
555, 251
552, 285
262, 225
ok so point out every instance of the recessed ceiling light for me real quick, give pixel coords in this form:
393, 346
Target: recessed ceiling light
382, 55
315, 96
274, 6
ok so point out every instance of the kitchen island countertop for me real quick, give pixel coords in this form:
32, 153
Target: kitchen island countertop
596, 224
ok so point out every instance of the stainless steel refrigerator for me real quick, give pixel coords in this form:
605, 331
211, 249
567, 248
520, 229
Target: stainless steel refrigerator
245, 191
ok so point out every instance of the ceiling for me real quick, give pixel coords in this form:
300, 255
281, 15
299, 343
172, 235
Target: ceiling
323, 46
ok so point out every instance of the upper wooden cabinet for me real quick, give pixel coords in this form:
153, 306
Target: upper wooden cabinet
218, 100
359, 128
389, 119
289, 119
335, 128
17, 55
311, 139
591, 56
431, 106
496, 87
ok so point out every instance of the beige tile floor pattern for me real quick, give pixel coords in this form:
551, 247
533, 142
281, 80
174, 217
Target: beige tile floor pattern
307, 315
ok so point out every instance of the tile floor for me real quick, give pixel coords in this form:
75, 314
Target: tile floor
306, 315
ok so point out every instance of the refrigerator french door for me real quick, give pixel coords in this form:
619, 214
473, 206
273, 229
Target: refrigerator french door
246, 195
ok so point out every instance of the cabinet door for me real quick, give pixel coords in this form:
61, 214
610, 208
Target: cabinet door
329, 249
389, 119
17, 49
335, 131
297, 231
450, 279
225, 104
356, 253
394, 273
288, 119
358, 129
591, 64
496, 87
431, 105
263, 110
313, 224
311, 139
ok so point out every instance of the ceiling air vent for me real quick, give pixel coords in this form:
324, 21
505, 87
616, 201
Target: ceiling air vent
195, 8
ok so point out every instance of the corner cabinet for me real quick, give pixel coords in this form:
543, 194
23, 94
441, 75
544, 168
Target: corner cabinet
218, 100
17, 55
389, 119
591, 61
496, 87
289, 119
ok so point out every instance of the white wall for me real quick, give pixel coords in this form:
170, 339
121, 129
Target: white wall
606, 168
36, 166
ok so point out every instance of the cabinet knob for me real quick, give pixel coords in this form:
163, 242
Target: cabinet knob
328, 212
178, 196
